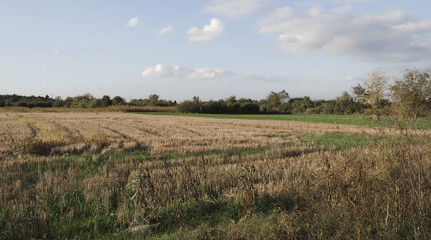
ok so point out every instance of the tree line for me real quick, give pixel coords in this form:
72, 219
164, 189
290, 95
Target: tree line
81, 101
409, 95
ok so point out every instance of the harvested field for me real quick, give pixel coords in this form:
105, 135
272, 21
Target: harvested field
90, 132
134, 176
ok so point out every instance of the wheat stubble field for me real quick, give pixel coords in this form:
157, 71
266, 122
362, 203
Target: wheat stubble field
132, 176
117, 132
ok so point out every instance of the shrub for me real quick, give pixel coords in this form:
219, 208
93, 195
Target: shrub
249, 108
189, 107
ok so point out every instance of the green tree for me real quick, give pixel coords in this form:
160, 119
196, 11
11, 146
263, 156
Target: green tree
345, 104
412, 94
117, 100
275, 101
196, 100
231, 100
359, 93
153, 99
68, 102
106, 101
58, 102
82, 103
95, 103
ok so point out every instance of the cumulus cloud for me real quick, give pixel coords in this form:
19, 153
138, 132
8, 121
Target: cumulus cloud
235, 8
393, 36
208, 32
208, 75
352, 1
166, 30
349, 78
360, 0
211, 74
133, 22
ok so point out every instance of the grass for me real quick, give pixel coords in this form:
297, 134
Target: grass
357, 120
339, 142
70, 213
338, 185
74, 209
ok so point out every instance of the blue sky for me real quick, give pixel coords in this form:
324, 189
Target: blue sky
207, 48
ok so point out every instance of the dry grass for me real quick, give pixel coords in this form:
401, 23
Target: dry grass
292, 190
66, 132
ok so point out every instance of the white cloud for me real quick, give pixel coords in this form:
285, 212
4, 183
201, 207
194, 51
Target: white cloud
360, 0
395, 16
208, 75
56, 52
167, 29
208, 32
133, 22
393, 36
414, 27
235, 8
211, 74
352, 1
349, 78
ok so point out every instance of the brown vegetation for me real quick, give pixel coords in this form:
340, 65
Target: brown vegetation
67, 132
242, 179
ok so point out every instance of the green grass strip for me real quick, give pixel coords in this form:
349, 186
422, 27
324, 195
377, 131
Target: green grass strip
339, 142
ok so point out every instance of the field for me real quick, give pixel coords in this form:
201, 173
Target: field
105, 175
356, 120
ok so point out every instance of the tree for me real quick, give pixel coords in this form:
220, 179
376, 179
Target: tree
360, 93
196, 100
106, 101
68, 102
277, 99
86, 96
231, 100
376, 85
95, 103
117, 100
345, 104
153, 99
412, 94
284, 97
58, 102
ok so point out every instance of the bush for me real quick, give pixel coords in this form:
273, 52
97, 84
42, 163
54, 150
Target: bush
214, 107
315, 110
189, 107
249, 108
233, 107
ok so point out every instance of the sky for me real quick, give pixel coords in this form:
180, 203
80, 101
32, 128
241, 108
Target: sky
213, 49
